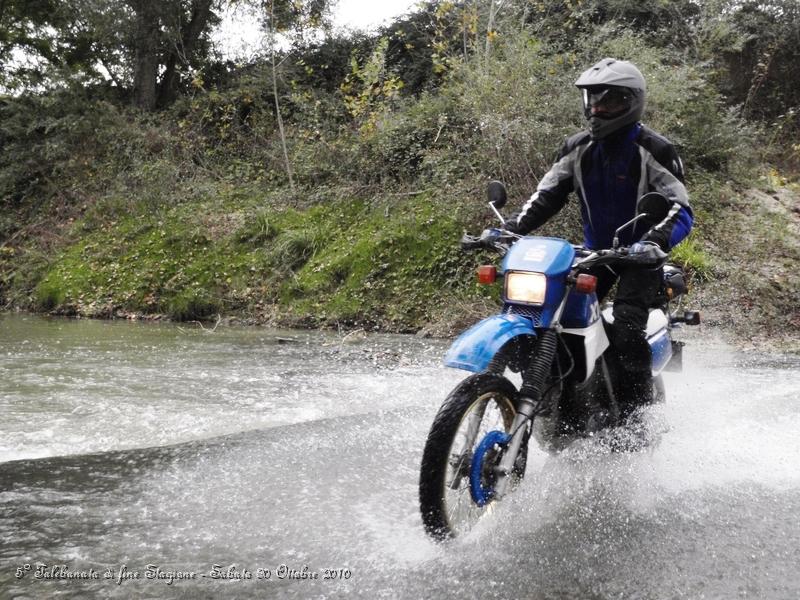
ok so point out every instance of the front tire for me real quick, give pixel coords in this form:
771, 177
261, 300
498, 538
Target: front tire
481, 405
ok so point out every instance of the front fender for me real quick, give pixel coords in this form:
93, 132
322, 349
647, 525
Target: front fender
475, 348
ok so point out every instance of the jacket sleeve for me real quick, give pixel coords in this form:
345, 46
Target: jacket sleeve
550, 196
665, 175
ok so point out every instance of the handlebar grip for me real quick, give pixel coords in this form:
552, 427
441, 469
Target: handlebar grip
648, 255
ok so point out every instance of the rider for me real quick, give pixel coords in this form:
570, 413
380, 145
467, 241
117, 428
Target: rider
609, 167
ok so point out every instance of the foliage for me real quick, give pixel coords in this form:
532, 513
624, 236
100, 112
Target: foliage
369, 89
189, 212
315, 263
44, 145
567, 22
45, 43
150, 50
764, 71
519, 105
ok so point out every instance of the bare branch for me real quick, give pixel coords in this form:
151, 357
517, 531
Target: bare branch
213, 329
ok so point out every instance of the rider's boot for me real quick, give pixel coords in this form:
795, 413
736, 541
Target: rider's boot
636, 391
633, 359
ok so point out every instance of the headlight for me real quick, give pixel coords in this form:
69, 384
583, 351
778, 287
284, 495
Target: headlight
526, 287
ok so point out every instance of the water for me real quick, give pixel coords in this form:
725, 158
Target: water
128, 445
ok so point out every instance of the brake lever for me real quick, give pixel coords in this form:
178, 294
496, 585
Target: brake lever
599, 257
511, 234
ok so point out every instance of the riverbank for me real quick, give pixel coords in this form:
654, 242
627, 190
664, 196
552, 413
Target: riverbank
330, 189
377, 266
344, 262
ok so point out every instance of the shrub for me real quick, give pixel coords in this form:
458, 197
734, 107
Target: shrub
193, 304
49, 295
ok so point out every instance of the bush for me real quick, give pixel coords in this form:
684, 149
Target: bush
49, 295
193, 304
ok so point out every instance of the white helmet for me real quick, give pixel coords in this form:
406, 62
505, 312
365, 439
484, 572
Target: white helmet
613, 96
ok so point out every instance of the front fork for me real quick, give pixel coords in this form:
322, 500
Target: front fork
529, 402
525, 412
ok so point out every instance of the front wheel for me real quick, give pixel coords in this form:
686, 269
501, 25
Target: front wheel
465, 444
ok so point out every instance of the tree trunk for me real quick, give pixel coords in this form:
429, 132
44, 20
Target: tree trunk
182, 49
494, 8
146, 43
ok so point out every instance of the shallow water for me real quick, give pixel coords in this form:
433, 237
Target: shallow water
130, 445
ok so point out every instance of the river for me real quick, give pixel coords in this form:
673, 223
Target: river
145, 460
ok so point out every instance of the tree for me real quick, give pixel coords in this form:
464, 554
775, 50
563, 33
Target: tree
291, 19
168, 36
271, 28
764, 71
149, 48
146, 42
43, 40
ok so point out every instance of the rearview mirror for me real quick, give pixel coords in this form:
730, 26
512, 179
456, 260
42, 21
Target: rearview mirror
655, 206
497, 194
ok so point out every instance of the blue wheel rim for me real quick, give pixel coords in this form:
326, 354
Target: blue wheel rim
482, 495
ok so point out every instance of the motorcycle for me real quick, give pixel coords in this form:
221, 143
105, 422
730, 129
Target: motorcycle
552, 331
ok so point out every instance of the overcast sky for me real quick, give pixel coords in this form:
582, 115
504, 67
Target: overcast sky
239, 35
366, 14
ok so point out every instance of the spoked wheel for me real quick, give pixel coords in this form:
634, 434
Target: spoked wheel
465, 444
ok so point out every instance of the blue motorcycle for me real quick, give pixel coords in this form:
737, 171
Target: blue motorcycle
552, 331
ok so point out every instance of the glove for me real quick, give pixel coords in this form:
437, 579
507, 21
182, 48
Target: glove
657, 237
490, 236
646, 253
511, 224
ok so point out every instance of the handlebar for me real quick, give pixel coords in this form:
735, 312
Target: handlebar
652, 256
501, 240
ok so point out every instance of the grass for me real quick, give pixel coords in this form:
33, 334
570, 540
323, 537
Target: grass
694, 258
346, 261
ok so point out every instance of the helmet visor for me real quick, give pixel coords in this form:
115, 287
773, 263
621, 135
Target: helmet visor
607, 103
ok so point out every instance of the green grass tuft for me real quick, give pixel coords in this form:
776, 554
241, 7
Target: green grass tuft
693, 258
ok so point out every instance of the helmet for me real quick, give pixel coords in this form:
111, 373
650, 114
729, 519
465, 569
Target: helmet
613, 96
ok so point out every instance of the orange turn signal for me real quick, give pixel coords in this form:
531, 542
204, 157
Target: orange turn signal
585, 284
487, 274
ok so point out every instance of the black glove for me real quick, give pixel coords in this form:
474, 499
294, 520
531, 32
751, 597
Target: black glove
511, 224
490, 236
646, 254
658, 237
